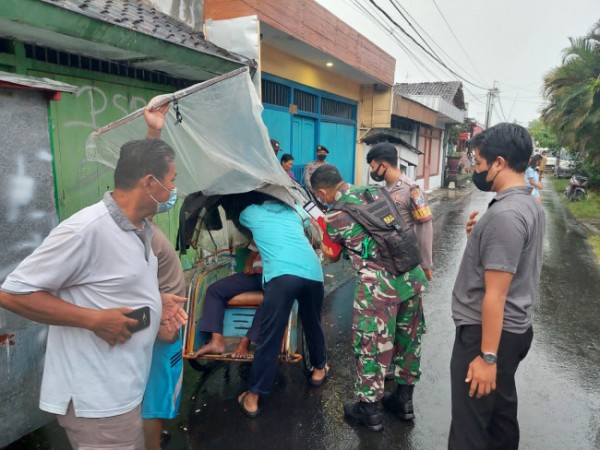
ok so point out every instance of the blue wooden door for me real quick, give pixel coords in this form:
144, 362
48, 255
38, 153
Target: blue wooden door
340, 140
278, 123
303, 139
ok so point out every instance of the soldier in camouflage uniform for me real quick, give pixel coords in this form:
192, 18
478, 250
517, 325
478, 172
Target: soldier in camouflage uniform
414, 209
387, 320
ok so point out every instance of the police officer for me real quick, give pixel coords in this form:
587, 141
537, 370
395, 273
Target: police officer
309, 169
387, 323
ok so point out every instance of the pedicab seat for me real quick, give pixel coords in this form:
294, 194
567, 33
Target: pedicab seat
251, 299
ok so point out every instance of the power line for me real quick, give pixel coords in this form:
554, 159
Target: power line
384, 27
456, 38
400, 10
501, 108
434, 57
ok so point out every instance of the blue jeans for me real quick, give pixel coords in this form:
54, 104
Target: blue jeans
279, 295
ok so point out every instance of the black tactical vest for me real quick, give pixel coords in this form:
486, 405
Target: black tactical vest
379, 216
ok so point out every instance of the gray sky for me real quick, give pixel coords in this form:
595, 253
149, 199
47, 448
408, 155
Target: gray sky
513, 42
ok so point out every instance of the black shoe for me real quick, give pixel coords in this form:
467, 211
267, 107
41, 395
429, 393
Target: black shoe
365, 413
400, 401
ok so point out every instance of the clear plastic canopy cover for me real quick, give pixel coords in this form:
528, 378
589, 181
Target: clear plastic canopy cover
222, 145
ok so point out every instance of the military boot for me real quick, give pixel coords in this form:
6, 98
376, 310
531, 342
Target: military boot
400, 401
366, 413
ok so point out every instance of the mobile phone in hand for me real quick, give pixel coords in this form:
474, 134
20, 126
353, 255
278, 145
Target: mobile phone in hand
142, 315
313, 210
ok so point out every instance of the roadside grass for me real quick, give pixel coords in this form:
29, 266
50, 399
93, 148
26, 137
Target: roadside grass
595, 242
584, 210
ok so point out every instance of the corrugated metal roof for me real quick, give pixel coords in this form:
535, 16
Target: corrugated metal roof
451, 91
38, 83
138, 16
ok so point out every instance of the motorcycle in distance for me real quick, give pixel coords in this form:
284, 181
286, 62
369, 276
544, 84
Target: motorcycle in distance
575, 191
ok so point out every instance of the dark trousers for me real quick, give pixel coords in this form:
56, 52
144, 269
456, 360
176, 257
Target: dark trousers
279, 295
491, 421
217, 296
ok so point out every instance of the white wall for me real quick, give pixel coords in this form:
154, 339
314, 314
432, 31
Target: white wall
190, 12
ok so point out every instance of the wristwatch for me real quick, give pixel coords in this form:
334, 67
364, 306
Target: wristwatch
489, 358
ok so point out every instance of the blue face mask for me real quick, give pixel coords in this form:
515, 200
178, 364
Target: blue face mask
165, 206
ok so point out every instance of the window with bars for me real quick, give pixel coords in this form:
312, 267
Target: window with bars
275, 93
53, 56
334, 108
306, 102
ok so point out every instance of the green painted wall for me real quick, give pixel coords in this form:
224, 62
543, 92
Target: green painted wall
80, 183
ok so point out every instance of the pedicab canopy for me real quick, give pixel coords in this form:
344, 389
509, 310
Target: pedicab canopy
221, 143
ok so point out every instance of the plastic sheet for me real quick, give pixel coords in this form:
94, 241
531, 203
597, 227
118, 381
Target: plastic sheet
221, 145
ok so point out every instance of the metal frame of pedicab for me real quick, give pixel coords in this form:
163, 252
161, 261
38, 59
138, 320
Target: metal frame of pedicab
240, 310
213, 267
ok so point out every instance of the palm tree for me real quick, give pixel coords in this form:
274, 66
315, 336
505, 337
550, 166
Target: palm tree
572, 92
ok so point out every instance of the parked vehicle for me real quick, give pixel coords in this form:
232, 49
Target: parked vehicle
564, 169
575, 191
550, 163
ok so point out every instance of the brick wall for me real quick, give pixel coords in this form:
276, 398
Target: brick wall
311, 23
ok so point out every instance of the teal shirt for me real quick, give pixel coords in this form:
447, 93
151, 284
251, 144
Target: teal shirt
278, 232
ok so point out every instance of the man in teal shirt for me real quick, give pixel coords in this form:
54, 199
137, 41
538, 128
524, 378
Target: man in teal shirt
291, 271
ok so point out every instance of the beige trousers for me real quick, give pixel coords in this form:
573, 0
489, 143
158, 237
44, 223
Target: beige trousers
122, 432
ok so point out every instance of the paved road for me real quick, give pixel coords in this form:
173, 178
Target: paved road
558, 382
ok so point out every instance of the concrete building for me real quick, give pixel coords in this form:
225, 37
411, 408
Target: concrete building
106, 59
322, 82
441, 105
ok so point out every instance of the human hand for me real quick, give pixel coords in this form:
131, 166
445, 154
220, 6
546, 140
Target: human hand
482, 377
472, 221
155, 118
112, 325
173, 316
428, 274
248, 270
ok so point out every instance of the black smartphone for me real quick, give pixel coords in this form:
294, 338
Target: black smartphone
142, 315
313, 210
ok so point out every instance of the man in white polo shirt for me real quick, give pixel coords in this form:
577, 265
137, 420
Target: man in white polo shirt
92, 270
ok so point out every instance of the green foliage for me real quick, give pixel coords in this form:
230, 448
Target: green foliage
454, 134
572, 91
585, 209
560, 184
595, 243
543, 136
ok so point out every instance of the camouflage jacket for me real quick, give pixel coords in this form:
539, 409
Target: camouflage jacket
362, 249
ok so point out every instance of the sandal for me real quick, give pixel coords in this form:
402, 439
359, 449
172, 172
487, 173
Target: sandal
317, 383
241, 400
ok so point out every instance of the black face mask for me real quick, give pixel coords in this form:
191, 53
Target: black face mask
321, 157
377, 178
479, 180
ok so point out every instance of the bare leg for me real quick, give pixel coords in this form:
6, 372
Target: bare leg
152, 429
319, 374
243, 349
215, 346
250, 401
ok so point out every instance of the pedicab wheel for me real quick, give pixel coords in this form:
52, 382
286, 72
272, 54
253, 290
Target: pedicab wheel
578, 196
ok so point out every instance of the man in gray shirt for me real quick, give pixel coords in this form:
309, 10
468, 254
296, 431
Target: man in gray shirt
494, 290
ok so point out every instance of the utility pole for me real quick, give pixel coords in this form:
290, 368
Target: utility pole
490, 104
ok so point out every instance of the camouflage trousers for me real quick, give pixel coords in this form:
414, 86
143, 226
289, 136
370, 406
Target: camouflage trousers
386, 330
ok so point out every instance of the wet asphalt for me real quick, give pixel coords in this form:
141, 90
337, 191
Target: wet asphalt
558, 382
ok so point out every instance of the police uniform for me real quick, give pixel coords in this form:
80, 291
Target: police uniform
415, 212
388, 322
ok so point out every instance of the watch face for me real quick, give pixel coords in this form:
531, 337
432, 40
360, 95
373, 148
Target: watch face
490, 358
